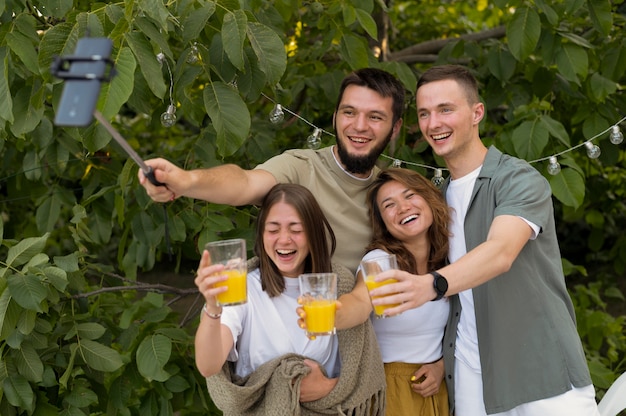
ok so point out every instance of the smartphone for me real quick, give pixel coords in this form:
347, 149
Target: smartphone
86, 71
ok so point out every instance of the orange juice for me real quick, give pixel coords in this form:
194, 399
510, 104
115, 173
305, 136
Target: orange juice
371, 284
320, 317
236, 293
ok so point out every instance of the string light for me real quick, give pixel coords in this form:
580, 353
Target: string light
554, 168
616, 136
277, 115
192, 58
168, 118
438, 179
314, 141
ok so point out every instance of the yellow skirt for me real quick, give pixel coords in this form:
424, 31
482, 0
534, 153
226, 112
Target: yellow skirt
403, 401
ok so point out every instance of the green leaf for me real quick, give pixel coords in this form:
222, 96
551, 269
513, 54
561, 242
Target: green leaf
229, 114
68, 263
148, 63
601, 16
27, 290
233, 36
6, 99
614, 62
28, 363
367, 22
349, 14
114, 94
600, 87
523, 32
24, 49
354, 51
56, 8
556, 129
22, 252
196, 21
27, 116
98, 356
81, 397
18, 392
270, 51
152, 355
154, 34
56, 41
156, 10
530, 138
501, 63
90, 330
57, 277
48, 213
568, 187
572, 62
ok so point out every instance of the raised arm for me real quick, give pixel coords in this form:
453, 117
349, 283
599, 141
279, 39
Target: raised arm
213, 340
507, 236
225, 184
355, 306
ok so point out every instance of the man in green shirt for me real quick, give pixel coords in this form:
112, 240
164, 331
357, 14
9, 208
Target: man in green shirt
367, 117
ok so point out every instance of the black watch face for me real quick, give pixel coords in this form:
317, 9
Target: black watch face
442, 285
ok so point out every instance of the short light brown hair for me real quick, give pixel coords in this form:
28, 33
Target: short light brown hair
458, 73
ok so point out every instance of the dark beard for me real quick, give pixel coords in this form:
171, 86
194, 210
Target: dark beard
361, 164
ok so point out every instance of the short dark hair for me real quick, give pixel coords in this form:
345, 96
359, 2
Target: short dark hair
319, 233
380, 81
458, 73
438, 233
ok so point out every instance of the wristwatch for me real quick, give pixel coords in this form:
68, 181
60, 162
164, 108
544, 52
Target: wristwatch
440, 284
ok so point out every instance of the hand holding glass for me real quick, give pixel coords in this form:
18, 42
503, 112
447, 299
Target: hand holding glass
369, 269
318, 292
232, 254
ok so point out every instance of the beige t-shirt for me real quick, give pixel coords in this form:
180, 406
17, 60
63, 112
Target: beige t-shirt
341, 196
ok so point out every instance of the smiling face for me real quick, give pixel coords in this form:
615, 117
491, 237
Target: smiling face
447, 119
407, 216
364, 126
285, 240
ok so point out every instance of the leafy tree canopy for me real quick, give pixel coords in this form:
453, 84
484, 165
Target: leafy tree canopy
75, 222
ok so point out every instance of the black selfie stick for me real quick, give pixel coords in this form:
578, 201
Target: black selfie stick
84, 72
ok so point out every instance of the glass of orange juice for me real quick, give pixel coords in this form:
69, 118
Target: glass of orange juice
318, 292
232, 254
369, 269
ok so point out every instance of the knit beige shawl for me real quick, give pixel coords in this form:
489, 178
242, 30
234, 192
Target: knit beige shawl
274, 388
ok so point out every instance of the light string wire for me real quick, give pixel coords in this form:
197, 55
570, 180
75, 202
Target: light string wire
438, 170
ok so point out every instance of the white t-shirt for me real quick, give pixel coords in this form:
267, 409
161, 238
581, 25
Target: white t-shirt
458, 197
415, 336
265, 328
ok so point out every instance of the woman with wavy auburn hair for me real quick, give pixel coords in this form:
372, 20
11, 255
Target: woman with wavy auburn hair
409, 218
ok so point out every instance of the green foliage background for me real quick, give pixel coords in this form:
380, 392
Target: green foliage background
81, 334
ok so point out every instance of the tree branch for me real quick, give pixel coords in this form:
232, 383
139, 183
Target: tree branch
425, 51
158, 288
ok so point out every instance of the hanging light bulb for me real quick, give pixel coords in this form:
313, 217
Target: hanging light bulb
168, 118
192, 58
616, 136
553, 168
438, 179
314, 140
277, 115
397, 163
593, 151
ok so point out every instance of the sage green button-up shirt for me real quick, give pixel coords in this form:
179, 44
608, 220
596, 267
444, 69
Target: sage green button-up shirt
529, 345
